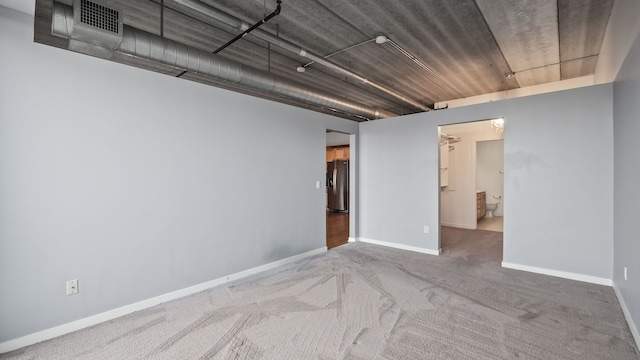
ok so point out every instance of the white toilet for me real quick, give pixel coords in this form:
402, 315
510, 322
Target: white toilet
493, 207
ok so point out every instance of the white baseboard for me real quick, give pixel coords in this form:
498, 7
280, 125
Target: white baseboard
144, 304
561, 274
351, 240
460, 226
627, 315
401, 246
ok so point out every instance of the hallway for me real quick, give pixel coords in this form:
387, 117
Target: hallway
337, 229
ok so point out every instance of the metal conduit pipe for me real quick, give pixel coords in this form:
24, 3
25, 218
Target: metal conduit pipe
144, 45
276, 12
239, 24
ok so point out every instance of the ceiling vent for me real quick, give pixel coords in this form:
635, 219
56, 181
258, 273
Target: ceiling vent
97, 24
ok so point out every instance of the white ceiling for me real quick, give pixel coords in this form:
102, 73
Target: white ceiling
335, 139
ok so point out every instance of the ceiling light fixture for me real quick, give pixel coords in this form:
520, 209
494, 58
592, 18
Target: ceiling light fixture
510, 75
498, 125
381, 39
301, 68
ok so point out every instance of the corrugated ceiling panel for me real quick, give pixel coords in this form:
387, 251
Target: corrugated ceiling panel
527, 32
579, 68
449, 37
582, 28
539, 75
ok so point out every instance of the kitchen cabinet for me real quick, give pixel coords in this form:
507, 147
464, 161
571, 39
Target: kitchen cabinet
481, 204
331, 154
342, 153
337, 153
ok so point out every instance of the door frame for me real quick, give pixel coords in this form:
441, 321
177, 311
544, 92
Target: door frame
353, 185
473, 171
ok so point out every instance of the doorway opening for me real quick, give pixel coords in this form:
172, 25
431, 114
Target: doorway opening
490, 181
338, 188
472, 190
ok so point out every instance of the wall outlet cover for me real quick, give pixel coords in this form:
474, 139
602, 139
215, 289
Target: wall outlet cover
72, 287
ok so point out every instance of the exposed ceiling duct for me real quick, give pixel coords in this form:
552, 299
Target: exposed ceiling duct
225, 18
441, 51
148, 46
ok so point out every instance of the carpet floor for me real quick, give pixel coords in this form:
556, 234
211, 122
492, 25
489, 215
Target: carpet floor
362, 301
476, 246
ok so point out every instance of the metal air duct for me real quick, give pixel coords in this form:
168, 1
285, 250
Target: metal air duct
144, 45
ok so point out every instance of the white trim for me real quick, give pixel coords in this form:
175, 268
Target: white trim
144, 304
351, 239
561, 274
401, 246
627, 315
560, 85
461, 226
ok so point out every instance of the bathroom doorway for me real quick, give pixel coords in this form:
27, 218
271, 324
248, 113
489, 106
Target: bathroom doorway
490, 180
469, 166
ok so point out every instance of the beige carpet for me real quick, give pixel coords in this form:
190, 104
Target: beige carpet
362, 301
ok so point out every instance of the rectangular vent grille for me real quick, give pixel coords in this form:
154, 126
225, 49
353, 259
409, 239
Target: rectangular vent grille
99, 16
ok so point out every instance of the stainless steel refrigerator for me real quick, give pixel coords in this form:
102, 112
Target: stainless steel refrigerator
338, 185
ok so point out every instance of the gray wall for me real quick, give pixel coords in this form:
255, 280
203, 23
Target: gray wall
139, 184
626, 125
558, 181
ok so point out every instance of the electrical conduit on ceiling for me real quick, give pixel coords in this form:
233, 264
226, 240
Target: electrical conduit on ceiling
276, 12
255, 26
144, 45
230, 20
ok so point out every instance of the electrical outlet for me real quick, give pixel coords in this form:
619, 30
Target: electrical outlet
625, 273
72, 287
317, 184
426, 229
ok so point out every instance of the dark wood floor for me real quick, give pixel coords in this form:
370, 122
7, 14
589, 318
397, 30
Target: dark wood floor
337, 229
